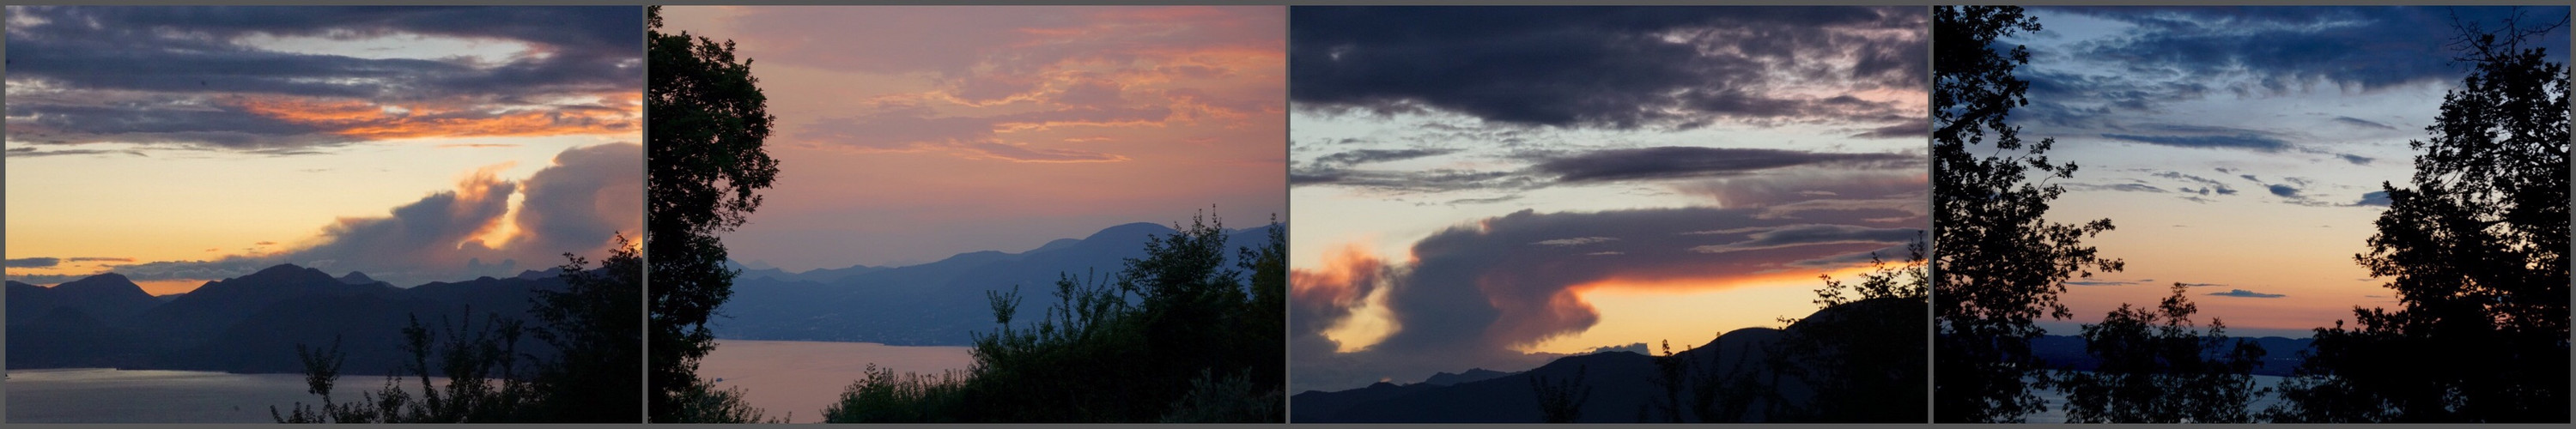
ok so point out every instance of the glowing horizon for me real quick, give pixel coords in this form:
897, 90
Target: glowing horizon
408, 154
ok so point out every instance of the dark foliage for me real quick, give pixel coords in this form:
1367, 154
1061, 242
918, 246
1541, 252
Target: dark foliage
707, 121
2158, 368
1561, 401
1175, 336
591, 377
2476, 249
596, 327
486, 379
2000, 263
1859, 358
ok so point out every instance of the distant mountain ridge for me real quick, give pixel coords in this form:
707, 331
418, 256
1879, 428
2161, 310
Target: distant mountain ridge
2280, 355
1623, 383
936, 303
247, 324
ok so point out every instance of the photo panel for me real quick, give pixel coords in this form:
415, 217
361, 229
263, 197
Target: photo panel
2284, 214
1008, 214
1608, 214
325, 214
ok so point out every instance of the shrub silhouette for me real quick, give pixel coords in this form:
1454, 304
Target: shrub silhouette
591, 326
1173, 336
2476, 249
2158, 368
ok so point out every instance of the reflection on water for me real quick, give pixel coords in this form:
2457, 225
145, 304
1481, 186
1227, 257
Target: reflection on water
96, 395
2056, 400
802, 377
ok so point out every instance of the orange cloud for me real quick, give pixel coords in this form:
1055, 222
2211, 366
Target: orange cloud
383, 121
1349, 272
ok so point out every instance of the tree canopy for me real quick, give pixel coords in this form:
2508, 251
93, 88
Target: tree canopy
706, 124
2476, 249
1998, 263
1175, 336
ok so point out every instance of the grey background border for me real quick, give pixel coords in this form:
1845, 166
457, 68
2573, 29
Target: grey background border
1291, 208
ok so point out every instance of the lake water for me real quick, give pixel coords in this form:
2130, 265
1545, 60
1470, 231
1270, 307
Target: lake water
798, 378
2057, 400
95, 395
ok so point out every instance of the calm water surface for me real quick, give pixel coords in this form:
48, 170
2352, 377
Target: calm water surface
96, 395
797, 379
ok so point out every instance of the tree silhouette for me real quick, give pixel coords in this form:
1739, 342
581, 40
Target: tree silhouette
1859, 357
2158, 368
2000, 263
1862, 353
2476, 249
1175, 336
707, 120
591, 378
486, 380
1561, 401
596, 326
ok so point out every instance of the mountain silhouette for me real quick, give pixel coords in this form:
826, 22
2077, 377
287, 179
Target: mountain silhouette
1623, 384
106, 296
249, 323
936, 303
357, 278
220, 303
1471, 375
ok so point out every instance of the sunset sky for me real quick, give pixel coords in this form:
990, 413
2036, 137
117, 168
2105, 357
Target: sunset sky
905, 135
2240, 150
1478, 184
177, 145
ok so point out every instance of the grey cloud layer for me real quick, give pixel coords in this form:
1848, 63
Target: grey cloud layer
575, 206
1610, 67
159, 74
1482, 288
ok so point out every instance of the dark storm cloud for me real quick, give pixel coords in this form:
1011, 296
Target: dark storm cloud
2240, 141
1609, 67
30, 152
1480, 289
194, 49
50, 262
2364, 123
573, 206
33, 262
589, 195
2354, 159
1430, 180
2208, 186
173, 74
2241, 293
153, 122
1365, 156
2374, 198
1914, 130
2283, 190
2284, 47
2104, 93
2121, 187
1566, 168
1807, 235
1671, 162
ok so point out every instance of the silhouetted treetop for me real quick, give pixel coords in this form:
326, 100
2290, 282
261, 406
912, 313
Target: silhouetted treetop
707, 122
1998, 262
